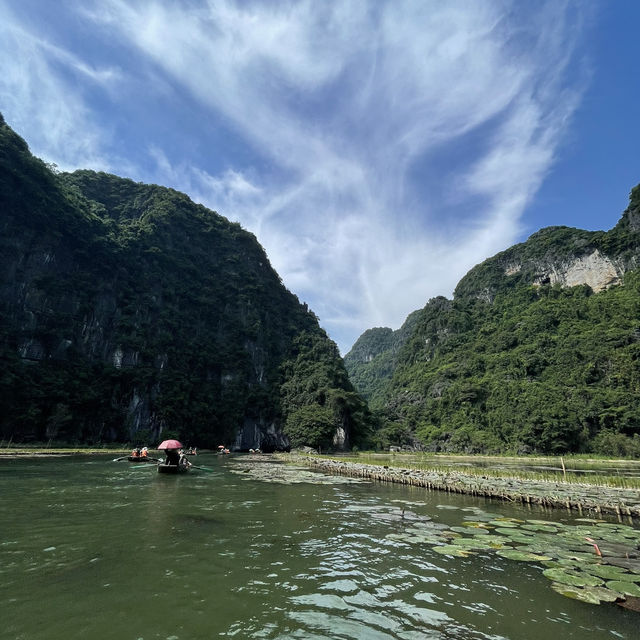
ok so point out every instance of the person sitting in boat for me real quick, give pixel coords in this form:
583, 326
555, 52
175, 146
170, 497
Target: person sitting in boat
135, 453
173, 457
144, 453
183, 461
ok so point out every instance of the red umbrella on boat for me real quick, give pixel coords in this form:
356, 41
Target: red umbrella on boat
170, 444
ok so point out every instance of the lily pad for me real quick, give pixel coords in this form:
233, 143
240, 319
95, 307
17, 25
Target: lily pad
628, 588
577, 555
476, 525
575, 593
461, 530
472, 543
451, 550
506, 531
627, 563
605, 594
542, 528
521, 538
562, 564
515, 554
572, 578
610, 572
496, 542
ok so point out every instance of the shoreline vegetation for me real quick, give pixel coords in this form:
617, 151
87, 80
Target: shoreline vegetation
584, 496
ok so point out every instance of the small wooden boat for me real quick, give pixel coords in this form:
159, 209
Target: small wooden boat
172, 468
142, 459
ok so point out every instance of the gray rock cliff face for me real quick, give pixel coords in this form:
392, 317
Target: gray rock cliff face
560, 256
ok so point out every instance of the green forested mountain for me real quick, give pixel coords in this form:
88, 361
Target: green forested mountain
127, 312
539, 350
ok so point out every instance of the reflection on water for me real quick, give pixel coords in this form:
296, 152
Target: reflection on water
95, 549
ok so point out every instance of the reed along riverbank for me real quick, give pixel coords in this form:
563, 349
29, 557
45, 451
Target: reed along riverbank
579, 497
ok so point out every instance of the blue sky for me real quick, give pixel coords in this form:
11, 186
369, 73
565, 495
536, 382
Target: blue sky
378, 150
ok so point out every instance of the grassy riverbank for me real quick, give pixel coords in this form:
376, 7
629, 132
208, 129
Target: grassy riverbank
606, 472
587, 495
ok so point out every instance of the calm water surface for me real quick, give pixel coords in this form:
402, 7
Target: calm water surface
90, 548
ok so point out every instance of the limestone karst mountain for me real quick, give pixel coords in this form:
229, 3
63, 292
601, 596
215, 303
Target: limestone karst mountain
539, 350
127, 311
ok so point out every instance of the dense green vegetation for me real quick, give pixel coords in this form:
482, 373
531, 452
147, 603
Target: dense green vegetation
373, 358
507, 366
127, 311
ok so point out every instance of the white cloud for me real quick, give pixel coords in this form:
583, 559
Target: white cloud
39, 100
385, 125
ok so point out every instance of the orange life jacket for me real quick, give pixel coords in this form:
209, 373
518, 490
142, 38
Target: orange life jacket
134, 453
143, 454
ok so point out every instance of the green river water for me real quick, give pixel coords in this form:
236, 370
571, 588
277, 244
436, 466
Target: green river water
90, 548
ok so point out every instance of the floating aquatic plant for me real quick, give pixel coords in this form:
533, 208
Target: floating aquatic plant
565, 550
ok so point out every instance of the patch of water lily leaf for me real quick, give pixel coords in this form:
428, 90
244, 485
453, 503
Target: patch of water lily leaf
505, 531
627, 588
604, 593
562, 564
542, 528
450, 535
505, 524
572, 578
400, 537
520, 538
496, 542
616, 550
541, 550
476, 525
460, 530
479, 531
576, 555
611, 572
516, 554
575, 593
477, 517
451, 550
472, 543
628, 563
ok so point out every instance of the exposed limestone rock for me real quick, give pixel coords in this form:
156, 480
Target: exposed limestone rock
595, 270
512, 269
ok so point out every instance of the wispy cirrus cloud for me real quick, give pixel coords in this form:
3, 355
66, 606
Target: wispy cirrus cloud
386, 147
42, 88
